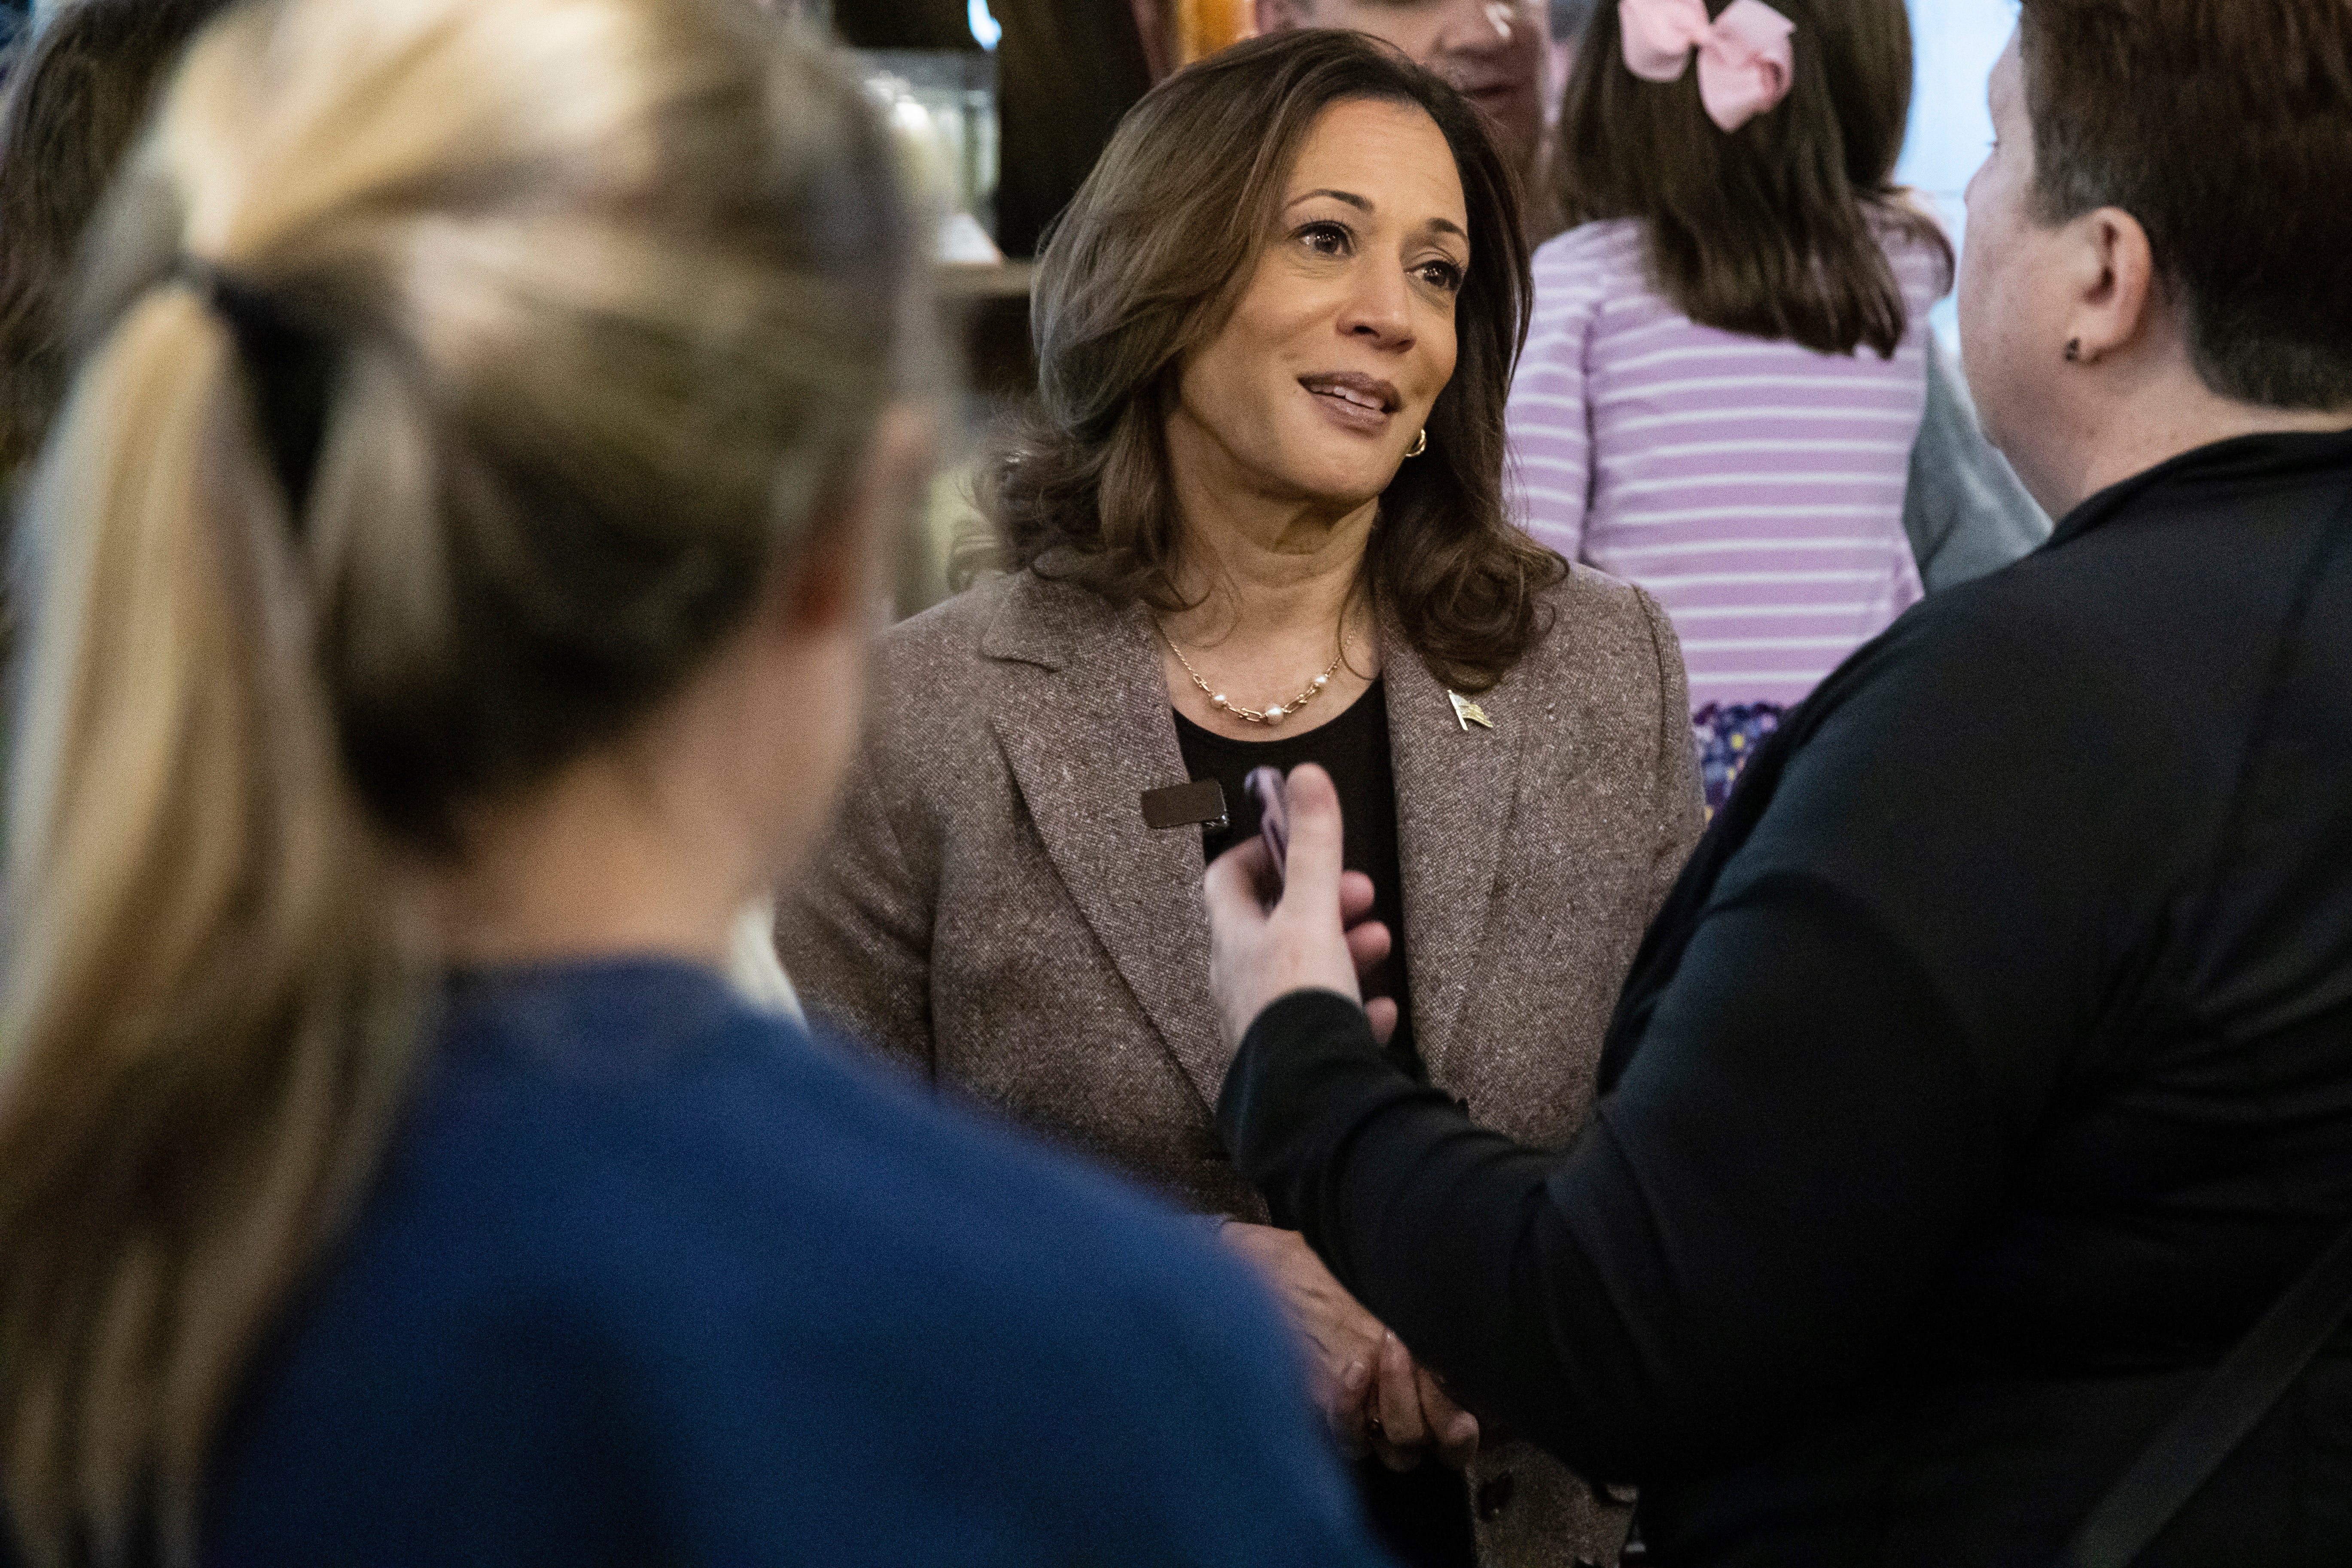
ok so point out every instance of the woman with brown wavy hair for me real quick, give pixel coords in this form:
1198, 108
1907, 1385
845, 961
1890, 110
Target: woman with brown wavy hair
1256, 519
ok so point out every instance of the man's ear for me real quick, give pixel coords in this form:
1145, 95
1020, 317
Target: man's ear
1282, 16
846, 568
2112, 272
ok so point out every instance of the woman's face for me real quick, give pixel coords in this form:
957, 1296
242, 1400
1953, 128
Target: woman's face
2012, 296
1325, 371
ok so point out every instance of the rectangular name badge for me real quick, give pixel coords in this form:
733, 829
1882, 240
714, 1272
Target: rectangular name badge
1182, 805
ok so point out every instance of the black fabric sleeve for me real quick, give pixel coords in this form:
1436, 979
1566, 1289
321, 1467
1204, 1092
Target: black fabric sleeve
1731, 1239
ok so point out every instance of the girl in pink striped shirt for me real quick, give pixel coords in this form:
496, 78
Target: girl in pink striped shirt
1726, 364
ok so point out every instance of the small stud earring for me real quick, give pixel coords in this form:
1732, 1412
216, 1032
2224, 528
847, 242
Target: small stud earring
1419, 444
2073, 351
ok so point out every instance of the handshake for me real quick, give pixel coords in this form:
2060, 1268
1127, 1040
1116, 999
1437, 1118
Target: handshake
1292, 923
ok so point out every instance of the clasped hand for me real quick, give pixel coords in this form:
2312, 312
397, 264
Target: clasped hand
1317, 937
1376, 1396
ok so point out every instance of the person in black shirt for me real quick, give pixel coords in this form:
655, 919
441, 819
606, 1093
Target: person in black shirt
1989, 1073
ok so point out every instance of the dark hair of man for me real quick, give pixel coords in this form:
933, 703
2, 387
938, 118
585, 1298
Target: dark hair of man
78, 92
2225, 128
1146, 265
1775, 230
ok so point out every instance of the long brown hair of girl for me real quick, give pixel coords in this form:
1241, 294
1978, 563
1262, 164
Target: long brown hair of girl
1775, 229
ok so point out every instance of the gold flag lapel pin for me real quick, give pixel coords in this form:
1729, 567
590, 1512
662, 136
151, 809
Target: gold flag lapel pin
1467, 712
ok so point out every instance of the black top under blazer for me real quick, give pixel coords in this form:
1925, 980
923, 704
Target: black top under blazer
1986, 1076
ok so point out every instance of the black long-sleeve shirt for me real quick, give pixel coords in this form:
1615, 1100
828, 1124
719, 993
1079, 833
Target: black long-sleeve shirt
1986, 1076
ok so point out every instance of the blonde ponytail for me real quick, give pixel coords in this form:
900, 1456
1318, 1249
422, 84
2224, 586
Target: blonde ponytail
611, 291
207, 1020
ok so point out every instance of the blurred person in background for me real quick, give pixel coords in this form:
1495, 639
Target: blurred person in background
453, 579
1965, 510
1972, 1182
1727, 366
1066, 71
1257, 520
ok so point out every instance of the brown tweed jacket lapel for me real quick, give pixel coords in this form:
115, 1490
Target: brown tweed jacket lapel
1086, 733
992, 905
1456, 789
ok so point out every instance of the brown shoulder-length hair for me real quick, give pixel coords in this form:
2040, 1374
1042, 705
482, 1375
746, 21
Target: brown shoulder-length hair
1145, 267
1775, 229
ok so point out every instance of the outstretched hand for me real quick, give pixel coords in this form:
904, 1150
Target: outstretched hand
1313, 937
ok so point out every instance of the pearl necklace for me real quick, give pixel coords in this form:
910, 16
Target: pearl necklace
1274, 715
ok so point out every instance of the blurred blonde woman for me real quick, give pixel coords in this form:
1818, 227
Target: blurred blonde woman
473, 488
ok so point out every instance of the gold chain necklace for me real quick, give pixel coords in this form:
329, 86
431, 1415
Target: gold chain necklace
1274, 715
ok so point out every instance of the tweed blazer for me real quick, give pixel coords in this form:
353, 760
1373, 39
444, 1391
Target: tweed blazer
992, 908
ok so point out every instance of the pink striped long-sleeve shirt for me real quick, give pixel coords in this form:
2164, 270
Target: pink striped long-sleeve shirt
1755, 488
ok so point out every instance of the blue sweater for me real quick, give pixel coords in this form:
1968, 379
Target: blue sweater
649, 1278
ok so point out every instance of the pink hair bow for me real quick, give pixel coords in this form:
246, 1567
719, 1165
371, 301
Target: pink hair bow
1744, 57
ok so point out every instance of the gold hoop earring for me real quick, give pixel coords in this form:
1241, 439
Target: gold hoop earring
1419, 444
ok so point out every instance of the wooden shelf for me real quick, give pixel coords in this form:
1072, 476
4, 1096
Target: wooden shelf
994, 281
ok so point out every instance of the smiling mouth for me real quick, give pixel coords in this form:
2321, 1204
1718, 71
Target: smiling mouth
1345, 396
1356, 391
